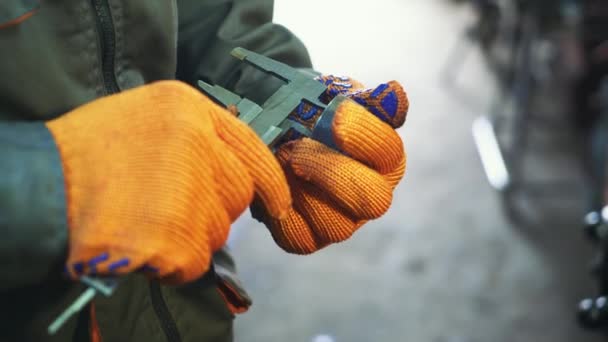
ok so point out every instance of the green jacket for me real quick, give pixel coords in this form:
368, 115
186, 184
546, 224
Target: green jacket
70, 52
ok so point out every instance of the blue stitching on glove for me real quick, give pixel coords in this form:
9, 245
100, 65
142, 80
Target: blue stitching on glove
306, 115
341, 85
118, 264
78, 267
379, 90
360, 101
389, 104
333, 92
100, 258
327, 81
96, 260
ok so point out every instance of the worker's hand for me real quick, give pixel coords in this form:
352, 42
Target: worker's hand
155, 176
335, 193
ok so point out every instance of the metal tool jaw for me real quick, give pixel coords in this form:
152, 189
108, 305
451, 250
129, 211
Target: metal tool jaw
270, 120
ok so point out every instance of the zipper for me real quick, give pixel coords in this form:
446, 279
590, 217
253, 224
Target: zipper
167, 322
105, 29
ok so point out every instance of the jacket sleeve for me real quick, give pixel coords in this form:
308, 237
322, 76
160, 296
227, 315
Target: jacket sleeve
32, 205
210, 29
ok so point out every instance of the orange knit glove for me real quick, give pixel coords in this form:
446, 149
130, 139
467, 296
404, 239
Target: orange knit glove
155, 176
335, 193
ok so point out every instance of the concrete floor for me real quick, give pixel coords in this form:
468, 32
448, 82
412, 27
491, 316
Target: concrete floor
444, 265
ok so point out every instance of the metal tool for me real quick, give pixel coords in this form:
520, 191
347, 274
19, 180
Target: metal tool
96, 285
270, 120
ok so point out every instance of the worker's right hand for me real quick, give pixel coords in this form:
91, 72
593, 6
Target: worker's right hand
154, 177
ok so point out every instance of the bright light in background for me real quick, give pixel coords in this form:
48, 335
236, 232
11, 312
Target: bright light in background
343, 39
490, 153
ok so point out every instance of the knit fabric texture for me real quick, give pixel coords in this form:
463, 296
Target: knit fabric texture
154, 178
334, 193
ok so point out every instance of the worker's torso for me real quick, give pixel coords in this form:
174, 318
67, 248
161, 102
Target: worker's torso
67, 53
72, 51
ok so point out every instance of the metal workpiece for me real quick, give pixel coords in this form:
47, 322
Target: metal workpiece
105, 286
80, 302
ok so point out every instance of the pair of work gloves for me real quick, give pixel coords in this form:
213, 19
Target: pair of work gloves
155, 176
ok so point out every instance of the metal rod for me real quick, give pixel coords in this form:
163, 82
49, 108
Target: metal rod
73, 309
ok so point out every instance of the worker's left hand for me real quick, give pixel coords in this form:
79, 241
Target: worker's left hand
334, 193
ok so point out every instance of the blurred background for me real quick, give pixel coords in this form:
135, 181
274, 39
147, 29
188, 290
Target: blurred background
485, 240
